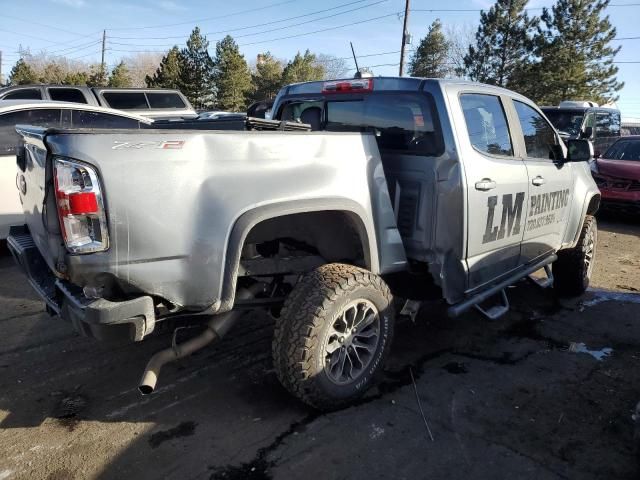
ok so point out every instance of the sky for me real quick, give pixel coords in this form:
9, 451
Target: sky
283, 27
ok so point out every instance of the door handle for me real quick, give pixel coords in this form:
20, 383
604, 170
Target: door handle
485, 184
538, 181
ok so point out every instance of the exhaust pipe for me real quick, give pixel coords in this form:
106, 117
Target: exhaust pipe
216, 328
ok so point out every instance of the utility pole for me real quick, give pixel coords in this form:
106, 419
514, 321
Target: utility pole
103, 74
0, 67
404, 36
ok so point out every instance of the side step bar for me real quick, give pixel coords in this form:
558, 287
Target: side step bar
459, 308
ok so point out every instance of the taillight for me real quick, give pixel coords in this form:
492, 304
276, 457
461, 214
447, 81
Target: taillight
80, 207
348, 86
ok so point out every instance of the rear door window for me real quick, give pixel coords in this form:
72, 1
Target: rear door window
165, 100
486, 123
67, 95
24, 94
403, 122
126, 100
9, 138
89, 119
539, 137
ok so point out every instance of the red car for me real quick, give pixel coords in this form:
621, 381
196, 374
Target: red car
617, 174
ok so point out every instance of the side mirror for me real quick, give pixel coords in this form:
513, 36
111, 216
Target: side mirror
587, 132
579, 150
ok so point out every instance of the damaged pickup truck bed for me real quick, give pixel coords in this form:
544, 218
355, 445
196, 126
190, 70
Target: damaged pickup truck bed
404, 183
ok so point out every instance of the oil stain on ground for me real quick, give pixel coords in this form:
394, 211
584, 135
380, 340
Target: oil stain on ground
185, 429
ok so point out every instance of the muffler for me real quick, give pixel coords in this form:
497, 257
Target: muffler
216, 328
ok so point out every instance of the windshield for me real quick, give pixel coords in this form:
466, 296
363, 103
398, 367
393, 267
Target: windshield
624, 150
567, 122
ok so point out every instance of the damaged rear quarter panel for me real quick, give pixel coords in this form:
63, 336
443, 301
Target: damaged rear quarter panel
171, 210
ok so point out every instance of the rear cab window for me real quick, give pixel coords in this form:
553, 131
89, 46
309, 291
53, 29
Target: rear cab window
487, 125
403, 122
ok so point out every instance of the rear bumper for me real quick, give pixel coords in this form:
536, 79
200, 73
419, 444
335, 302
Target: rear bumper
99, 318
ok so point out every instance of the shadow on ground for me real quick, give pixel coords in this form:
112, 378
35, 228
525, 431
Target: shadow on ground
505, 399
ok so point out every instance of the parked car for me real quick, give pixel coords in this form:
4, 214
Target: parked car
46, 114
617, 174
156, 103
586, 120
406, 184
630, 126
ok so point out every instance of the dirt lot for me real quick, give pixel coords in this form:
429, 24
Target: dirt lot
505, 399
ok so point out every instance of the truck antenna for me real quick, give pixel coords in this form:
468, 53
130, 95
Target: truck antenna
355, 59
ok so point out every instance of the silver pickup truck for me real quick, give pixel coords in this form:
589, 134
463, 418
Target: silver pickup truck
404, 186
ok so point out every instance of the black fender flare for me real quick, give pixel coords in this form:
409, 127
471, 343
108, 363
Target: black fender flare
251, 218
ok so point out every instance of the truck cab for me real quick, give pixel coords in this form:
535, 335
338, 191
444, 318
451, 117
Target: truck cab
477, 176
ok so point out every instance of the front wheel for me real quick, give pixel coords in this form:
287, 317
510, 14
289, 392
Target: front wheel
333, 335
572, 271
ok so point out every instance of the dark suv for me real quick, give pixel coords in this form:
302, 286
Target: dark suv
586, 120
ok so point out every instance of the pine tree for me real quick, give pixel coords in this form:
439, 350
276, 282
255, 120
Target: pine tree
22, 74
504, 46
196, 74
75, 78
168, 73
97, 78
303, 68
267, 78
576, 56
231, 76
120, 76
432, 55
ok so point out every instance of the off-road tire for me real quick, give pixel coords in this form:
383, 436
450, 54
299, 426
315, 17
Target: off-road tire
570, 271
307, 316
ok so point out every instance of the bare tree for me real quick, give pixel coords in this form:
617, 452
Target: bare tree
51, 68
459, 38
333, 66
140, 65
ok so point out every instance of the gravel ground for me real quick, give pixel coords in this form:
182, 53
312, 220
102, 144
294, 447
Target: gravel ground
504, 399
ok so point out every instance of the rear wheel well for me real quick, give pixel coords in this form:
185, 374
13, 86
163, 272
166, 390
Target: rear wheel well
333, 236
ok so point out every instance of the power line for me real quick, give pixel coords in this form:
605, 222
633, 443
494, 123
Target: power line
249, 26
394, 14
279, 38
70, 50
267, 31
201, 20
478, 10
